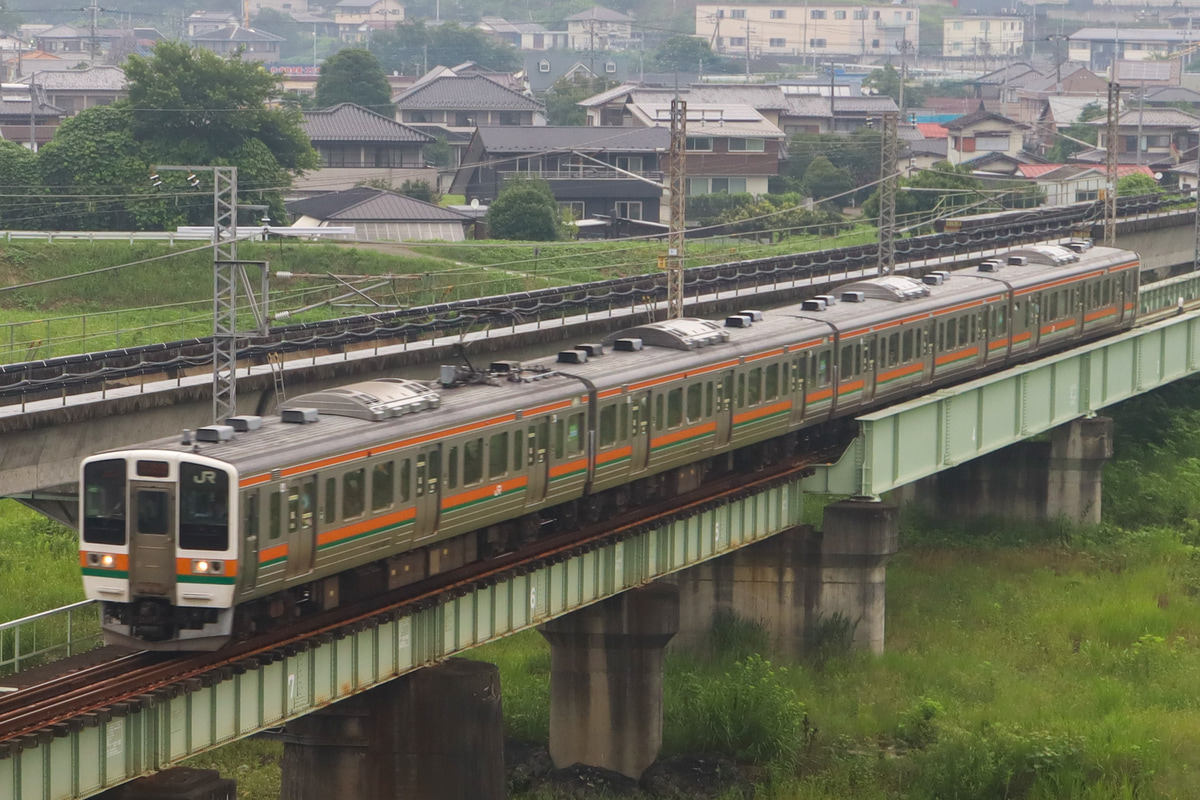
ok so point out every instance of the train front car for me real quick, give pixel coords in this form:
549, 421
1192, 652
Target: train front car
159, 549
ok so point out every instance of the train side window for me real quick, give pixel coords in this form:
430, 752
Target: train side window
893, 356
754, 387
498, 455
250, 518
1052, 309
293, 510
906, 350
608, 426
354, 494
330, 501
452, 468
1106, 290
708, 399
847, 361
870, 357
472, 461
276, 514
518, 450
575, 434
771, 389
383, 485
823, 368
951, 333
405, 480
560, 438
674, 408
741, 390
941, 338
695, 402
962, 331
623, 422
974, 326
660, 412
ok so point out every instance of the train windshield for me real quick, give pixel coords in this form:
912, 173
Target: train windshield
203, 508
104, 502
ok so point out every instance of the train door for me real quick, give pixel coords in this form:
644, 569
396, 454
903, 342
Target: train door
152, 540
724, 409
1125, 289
250, 521
428, 491
867, 349
537, 456
302, 526
1033, 316
639, 430
995, 342
798, 379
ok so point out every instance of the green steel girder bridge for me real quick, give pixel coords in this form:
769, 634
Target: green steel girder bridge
80, 757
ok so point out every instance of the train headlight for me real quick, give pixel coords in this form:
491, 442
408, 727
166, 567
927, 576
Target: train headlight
206, 567
102, 560
107, 561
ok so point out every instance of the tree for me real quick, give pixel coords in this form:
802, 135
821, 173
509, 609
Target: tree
1137, 183
524, 210
685, 53
354, 76
886, 81
413, 47
858, 154
19, 176
563, 98
823, 180
953, 186
438, 153
1063, 147
418, 190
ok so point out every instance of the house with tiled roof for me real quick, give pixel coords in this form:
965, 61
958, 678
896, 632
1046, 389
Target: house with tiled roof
15, 115
205, 21
1168, 136
254, 45
522, 35
73, 90
466, 102
381, 216
1064, 184
981, 133
611, 172
600, 28
356, 145
355, 19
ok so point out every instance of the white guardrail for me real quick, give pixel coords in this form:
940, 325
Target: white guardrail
49, 635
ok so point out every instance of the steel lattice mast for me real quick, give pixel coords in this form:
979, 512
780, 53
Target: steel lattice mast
1110, 158
677, 181
889, 148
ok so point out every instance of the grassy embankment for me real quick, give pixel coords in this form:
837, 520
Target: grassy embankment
1023, 661
170, 298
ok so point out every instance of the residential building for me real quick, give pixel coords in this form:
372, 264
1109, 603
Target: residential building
208, 21
252, 44
356, 145
291, 7
1074, 183
1156, 137
983, 35
71, 91
600, 28
981, 133
543, 69
523, 35
1173, 96
466, 102
613, 107
355, 18
810, 30
591, 171
15, 115
1098, 48
1160, 72
1076, 86
380, 216
78, 44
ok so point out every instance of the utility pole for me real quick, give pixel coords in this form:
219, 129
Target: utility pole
592, 44
677, 181
889, 147
747, 50
1141, 112
1110, 157
94, 9
33, 102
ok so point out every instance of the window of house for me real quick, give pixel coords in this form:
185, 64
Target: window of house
816, 43
839, 15
629, 163
464, 119
908, 15
875, 43
1084, 195
991, 141
727, 185
860, 14
778, 43
958, 26
543, 66
572, 210
817, 13
778, 13
628, 209
510, 118
699, 144
737, 13
747, 145
737, 41
610, 67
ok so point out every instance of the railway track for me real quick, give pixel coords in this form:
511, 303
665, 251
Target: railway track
42, 711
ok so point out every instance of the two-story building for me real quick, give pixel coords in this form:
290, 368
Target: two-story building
523, 35
1156, 137
600, 28
254, 45
591, 171
1098, 48
983, 133
983, 35
356, 145
354, 18
16, 115
810, 30
467, 102
1064, 184
73, 90
206, 21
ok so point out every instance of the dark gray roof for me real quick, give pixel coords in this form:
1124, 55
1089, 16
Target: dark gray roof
14, 103
1173, 94
977, 116
470, 92
236, 33
537, 138
347, 122
1153, 118
93, 79
365, 203
855, 105
451, 135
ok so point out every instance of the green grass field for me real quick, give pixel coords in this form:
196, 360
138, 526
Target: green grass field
1023, 661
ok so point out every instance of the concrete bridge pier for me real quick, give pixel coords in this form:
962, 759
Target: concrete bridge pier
435, 734
1040, 480
796, 582
606, 680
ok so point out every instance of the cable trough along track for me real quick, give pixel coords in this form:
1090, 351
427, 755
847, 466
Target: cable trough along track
73, 374
37, 714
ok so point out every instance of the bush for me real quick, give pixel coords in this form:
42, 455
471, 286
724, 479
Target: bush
525, 210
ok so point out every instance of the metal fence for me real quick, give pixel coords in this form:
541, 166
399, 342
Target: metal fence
49, 635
